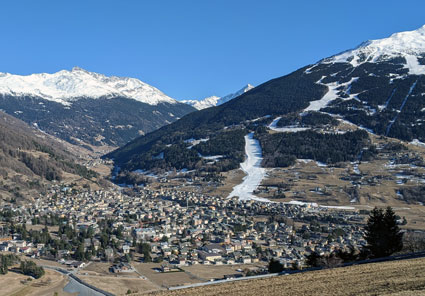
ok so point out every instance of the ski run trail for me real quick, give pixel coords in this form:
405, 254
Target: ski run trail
253, 170
255, 174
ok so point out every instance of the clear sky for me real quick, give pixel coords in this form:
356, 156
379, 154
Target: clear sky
192, 49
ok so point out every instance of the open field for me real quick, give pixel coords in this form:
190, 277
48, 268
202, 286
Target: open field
402, 278
97, 268
233, 178
216, 272
119, 285
360, 185
309, 182
13, 284
40, 227
169, 279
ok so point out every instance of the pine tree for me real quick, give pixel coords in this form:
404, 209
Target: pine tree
275, 266
394, 236
79, 253
383, 235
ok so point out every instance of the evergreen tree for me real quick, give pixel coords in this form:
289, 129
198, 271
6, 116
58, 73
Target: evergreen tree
383, 235
394, 235
314, 259
79, 253
30, 268
275, 266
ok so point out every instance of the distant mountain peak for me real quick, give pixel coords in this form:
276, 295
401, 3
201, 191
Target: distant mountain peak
66, 86
216, 101
77, 69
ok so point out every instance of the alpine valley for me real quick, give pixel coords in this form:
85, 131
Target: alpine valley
261, 188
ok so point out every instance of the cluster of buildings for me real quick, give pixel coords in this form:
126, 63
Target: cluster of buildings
185, 228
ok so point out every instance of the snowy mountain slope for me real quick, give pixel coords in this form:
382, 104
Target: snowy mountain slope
378, 86
85, 107
216, 101
410, 45
67, 86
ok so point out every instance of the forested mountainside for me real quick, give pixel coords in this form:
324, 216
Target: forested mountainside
378, 86
29, 160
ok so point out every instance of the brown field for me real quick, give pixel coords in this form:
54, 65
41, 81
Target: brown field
206, 272
405, 278
119, 285
40, 227
165, 279
97, 268
102, 269
379, 184
328, 180
233, 178
11, 284
102, 169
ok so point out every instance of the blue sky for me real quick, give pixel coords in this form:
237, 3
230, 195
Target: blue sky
192, 49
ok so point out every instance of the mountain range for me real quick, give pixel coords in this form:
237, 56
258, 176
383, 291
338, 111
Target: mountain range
216, 101
84, 107
378, 86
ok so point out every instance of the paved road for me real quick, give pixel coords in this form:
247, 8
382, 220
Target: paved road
76, 285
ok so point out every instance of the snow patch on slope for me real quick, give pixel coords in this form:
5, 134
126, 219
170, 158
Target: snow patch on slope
332, 94
417, 143
401, 108
287, 129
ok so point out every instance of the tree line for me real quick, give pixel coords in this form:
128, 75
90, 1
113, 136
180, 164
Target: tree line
26, 267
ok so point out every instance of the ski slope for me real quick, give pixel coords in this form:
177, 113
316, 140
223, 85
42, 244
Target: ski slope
254, 172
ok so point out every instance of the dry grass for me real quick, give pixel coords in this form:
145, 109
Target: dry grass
97, 268
44, 262
12, 284
165, 279
216, 272
304, 178
40, 227
233, 178
390, 278
120, 286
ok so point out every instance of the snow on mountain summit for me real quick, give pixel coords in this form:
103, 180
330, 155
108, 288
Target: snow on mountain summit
216, 101
409, 45
67, 86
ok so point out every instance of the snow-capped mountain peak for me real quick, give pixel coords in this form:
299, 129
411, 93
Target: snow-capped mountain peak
216, 101
229, 97
409, 45
67, 86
